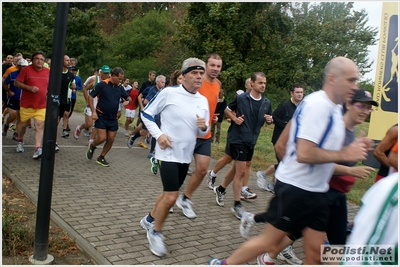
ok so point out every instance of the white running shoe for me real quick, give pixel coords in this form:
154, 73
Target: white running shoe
37, 154
20, 147
288, 255
156, 241
210, 180
186, 207
219, 197
245, 224
146, 224
247, 194
238, 211
261, 179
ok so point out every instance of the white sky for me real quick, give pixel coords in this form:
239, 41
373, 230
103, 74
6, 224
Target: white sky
374, 11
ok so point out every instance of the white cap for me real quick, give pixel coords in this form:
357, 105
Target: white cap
239, 92
22, 62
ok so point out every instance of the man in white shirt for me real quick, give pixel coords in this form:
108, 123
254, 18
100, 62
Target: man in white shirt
184, 114
315, 142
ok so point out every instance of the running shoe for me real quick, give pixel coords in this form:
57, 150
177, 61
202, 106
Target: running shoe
140, 144
186, 207
246, 224
86, 133
271, 187
20, 147
219, 197
247, 194
148, 139
238, 211
90, 151
131, 140
37, 154
77, 131
261, 179
146, 224
210, 180
65, 134
215, 262
15, 136
190, 172
13, 127
102, 161
156, 241
154, 165
287, 254
5, 129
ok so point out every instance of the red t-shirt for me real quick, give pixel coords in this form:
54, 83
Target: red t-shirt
32, 77
134, 93
211, 92
342, 183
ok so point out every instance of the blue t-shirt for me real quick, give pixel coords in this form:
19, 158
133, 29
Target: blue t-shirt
151, 92
78, 83
10, 79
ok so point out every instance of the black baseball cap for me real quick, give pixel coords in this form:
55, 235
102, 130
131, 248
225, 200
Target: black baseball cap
362, 95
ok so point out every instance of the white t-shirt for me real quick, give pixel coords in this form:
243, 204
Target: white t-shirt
178, 109
376, 223
319, 120
128, 87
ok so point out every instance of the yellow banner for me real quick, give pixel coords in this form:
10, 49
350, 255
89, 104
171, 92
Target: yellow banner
386, 77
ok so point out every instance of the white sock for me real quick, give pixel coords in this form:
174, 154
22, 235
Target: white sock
213, 174
244, 188
267, 258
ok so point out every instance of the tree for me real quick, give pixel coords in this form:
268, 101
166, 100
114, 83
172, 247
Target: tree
140, 43
244, 34
27, 27
290, 42
86, 43
328, 30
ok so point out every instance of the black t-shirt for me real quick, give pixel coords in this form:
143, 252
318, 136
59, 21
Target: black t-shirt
5, 66
108, 96
145, 85
66, 80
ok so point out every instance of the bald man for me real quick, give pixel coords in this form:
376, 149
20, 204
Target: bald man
315, 142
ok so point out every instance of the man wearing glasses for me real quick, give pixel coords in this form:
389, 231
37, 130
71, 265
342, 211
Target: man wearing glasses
33, 81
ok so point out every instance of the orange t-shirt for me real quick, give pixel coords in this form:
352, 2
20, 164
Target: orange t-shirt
9, 70
395, 147
211, 92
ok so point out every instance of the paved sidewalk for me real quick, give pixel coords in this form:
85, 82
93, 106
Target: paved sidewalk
100, 207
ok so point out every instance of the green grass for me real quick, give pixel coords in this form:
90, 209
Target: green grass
264, 154
15, 234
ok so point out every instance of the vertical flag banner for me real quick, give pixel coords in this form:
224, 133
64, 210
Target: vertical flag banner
386, 78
